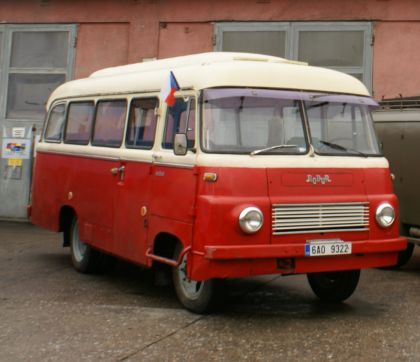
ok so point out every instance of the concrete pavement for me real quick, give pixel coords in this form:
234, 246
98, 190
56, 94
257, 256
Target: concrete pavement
49, 312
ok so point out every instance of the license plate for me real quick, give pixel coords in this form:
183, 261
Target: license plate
327, 247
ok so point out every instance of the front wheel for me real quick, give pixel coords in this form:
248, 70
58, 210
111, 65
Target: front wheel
196, 296
334, 286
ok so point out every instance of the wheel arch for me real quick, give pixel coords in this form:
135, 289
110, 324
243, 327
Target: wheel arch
67, 214
165, 243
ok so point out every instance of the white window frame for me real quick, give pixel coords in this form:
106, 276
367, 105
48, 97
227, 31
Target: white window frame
292, 30
7, 31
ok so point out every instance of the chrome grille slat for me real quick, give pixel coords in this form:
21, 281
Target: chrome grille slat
297, 212
335, 218
301, 218
322, 222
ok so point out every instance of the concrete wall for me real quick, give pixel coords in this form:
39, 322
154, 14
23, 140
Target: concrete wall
126, 31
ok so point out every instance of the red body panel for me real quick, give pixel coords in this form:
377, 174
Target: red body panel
84, 184
130, 227
124, 215
221, 250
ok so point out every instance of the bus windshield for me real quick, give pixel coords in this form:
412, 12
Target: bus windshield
341, 124
237, 120
262, 121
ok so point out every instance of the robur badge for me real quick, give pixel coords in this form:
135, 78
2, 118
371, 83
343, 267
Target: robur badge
318, 179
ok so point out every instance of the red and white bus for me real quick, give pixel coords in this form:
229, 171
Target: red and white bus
262, 166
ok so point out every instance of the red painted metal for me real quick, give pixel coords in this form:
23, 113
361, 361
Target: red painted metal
171, 262
161, 259
295, 250
205, 269
124, 216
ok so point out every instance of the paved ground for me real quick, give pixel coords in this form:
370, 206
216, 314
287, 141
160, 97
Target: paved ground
48, 312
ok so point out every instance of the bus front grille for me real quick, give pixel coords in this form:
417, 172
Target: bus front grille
313, 218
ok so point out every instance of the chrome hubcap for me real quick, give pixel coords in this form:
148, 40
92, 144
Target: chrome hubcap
192, 289
79, 247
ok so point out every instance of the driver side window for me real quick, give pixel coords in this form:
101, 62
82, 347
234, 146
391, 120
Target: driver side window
180, 118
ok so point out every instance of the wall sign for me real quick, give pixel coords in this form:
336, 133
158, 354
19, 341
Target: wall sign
16, 148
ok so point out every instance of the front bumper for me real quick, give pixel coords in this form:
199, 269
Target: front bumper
223, 261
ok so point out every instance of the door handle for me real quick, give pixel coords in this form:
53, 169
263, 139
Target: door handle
118, 171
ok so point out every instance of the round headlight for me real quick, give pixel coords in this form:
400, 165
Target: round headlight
385, 215
251, 220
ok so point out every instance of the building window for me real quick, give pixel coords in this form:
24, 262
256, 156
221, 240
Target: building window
261, 38
34, 60
343, 46
1, 52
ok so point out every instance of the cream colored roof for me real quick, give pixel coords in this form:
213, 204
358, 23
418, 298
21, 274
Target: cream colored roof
207, 70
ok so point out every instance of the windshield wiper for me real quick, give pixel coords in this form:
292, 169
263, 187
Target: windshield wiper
268, 149
342, 148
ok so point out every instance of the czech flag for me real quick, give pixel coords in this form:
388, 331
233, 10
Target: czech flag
168, 90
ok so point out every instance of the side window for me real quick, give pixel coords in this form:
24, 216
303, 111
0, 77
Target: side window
180, 118
79, 122
109, 123
55, 123
142, 123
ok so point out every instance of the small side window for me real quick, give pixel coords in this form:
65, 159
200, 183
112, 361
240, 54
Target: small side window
180, 118
55, 124
109, 123
79, 122
142, 123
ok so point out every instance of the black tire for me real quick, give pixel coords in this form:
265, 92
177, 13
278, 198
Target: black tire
405, 255
334, 286
198, 297
83, 257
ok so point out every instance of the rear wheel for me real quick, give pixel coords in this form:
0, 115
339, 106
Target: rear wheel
83, 257
334, 286
196, 296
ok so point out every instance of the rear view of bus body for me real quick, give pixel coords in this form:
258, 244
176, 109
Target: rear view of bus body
261, 166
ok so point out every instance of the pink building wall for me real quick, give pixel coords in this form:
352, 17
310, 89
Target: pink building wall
112, 32
396, 59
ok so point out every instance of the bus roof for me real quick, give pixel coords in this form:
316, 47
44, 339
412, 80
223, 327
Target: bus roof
208, 70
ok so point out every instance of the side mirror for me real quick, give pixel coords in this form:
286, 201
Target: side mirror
180, 144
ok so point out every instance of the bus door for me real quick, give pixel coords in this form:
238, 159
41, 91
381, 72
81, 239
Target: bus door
102, 173
133, 180
173, 177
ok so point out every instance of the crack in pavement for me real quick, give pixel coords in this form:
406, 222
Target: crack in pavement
262, 285
162, 338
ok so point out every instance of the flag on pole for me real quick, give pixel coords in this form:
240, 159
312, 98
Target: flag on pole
168, 90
